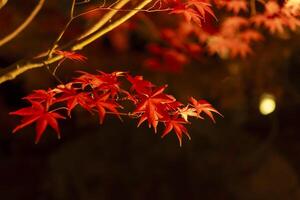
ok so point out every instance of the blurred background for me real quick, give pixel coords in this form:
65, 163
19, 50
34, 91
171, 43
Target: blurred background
251, 153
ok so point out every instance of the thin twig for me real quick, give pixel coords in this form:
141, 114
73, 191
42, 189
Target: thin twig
105, 18
111, 5
57, 66
149, 10
56, 78
54, 46
64, 29
24, 24
83, 2
72, 9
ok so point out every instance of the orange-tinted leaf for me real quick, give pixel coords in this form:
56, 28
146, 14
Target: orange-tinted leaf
187, 112
204, 106
201, 7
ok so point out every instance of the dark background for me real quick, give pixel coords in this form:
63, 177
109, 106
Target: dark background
245, 155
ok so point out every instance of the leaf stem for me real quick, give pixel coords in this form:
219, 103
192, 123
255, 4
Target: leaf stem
105, 18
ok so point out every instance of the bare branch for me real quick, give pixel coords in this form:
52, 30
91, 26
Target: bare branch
24, 24
42, 60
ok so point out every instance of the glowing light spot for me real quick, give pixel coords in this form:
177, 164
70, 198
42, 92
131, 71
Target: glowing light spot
267, 104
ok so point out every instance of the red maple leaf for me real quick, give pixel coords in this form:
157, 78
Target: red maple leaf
41, 96
201, 7
87, 79
110, 82
71, 55
149, 106
103, 103
176, 124
39, 114
73, 97
139, 85
189, 14
204, 106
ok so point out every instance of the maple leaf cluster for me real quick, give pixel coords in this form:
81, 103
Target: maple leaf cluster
227, 28
192, 10
276, 18
102, 93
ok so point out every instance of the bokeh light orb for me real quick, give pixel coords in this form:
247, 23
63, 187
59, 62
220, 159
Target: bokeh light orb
267, 104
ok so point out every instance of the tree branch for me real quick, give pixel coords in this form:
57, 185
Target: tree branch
96, 35
2, 3
24, 24
20, 67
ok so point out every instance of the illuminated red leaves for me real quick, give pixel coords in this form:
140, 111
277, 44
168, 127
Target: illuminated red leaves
103, 103
103, 93
73, 97
193, 11
277, 19
231, 36
102, 81
151, 104
234, 6
41, 96
39, 114
139, 85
